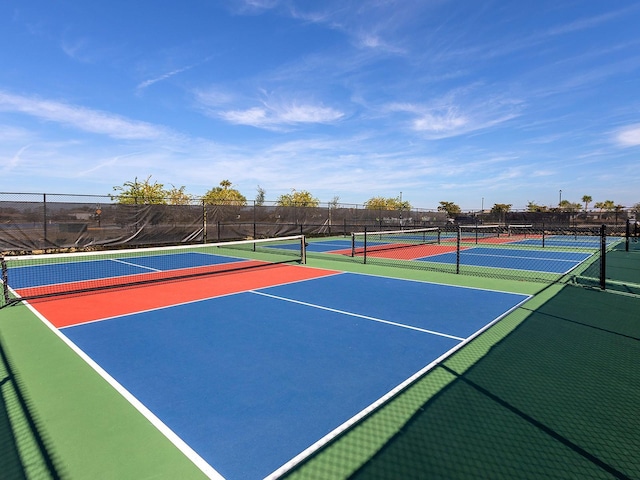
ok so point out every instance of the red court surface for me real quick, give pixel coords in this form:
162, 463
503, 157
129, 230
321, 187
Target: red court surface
494, 240
401, 252
412, 252
70, 310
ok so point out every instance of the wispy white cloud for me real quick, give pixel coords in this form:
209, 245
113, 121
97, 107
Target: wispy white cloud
254, 7
589, 22
628, 136
75, 49
105, 164
283, 115
164, 76
172, 73
14, 160
81, 118
448, 119
212, 98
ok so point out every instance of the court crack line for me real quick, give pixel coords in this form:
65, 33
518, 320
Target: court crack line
357, 315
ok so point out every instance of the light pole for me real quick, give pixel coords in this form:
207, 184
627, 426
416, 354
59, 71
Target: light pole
560, 201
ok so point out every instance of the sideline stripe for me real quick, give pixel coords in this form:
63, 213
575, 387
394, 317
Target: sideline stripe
379, 320
180, 444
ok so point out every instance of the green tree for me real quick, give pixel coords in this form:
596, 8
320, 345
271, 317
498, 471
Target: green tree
534, 207
141, 192
499, 211
298, 199
451, 208
501, 207
567, 206
606, 206
177, 196
391, 203
224, 195
586, 199
260, 196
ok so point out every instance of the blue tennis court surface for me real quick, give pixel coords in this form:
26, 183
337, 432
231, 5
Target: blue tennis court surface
548, 261
566, 241
57, 273
251, 380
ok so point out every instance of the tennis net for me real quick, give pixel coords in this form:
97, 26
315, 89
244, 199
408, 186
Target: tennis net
367, 242
521, 230
479, 232
35, 276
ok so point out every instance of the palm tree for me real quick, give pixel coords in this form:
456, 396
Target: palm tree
587, 200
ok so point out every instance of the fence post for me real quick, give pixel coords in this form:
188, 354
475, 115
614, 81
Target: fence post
44, 226
627, 236
5, 281
458, 249
204, 222
603, 257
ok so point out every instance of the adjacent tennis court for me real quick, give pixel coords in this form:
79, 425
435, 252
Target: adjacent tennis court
487, 248
547, 261
250, 370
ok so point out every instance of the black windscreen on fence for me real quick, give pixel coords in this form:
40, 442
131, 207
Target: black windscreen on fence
49, 222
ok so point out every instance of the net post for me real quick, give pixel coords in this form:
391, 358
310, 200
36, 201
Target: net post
458, 249
627, 236
603, 257
364, 250
303, 250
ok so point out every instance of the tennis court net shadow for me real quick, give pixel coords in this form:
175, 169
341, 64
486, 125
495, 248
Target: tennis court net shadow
556, 398
23, 450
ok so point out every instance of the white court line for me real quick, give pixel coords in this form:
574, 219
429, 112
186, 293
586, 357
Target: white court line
546, 259
379, 320
135, 265
174, 438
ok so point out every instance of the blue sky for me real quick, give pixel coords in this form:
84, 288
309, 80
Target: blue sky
473, 102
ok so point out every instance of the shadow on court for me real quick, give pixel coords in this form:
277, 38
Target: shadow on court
23, 451
622, 270
556, 398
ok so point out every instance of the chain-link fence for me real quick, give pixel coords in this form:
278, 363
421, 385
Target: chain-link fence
518, 252
51, 222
